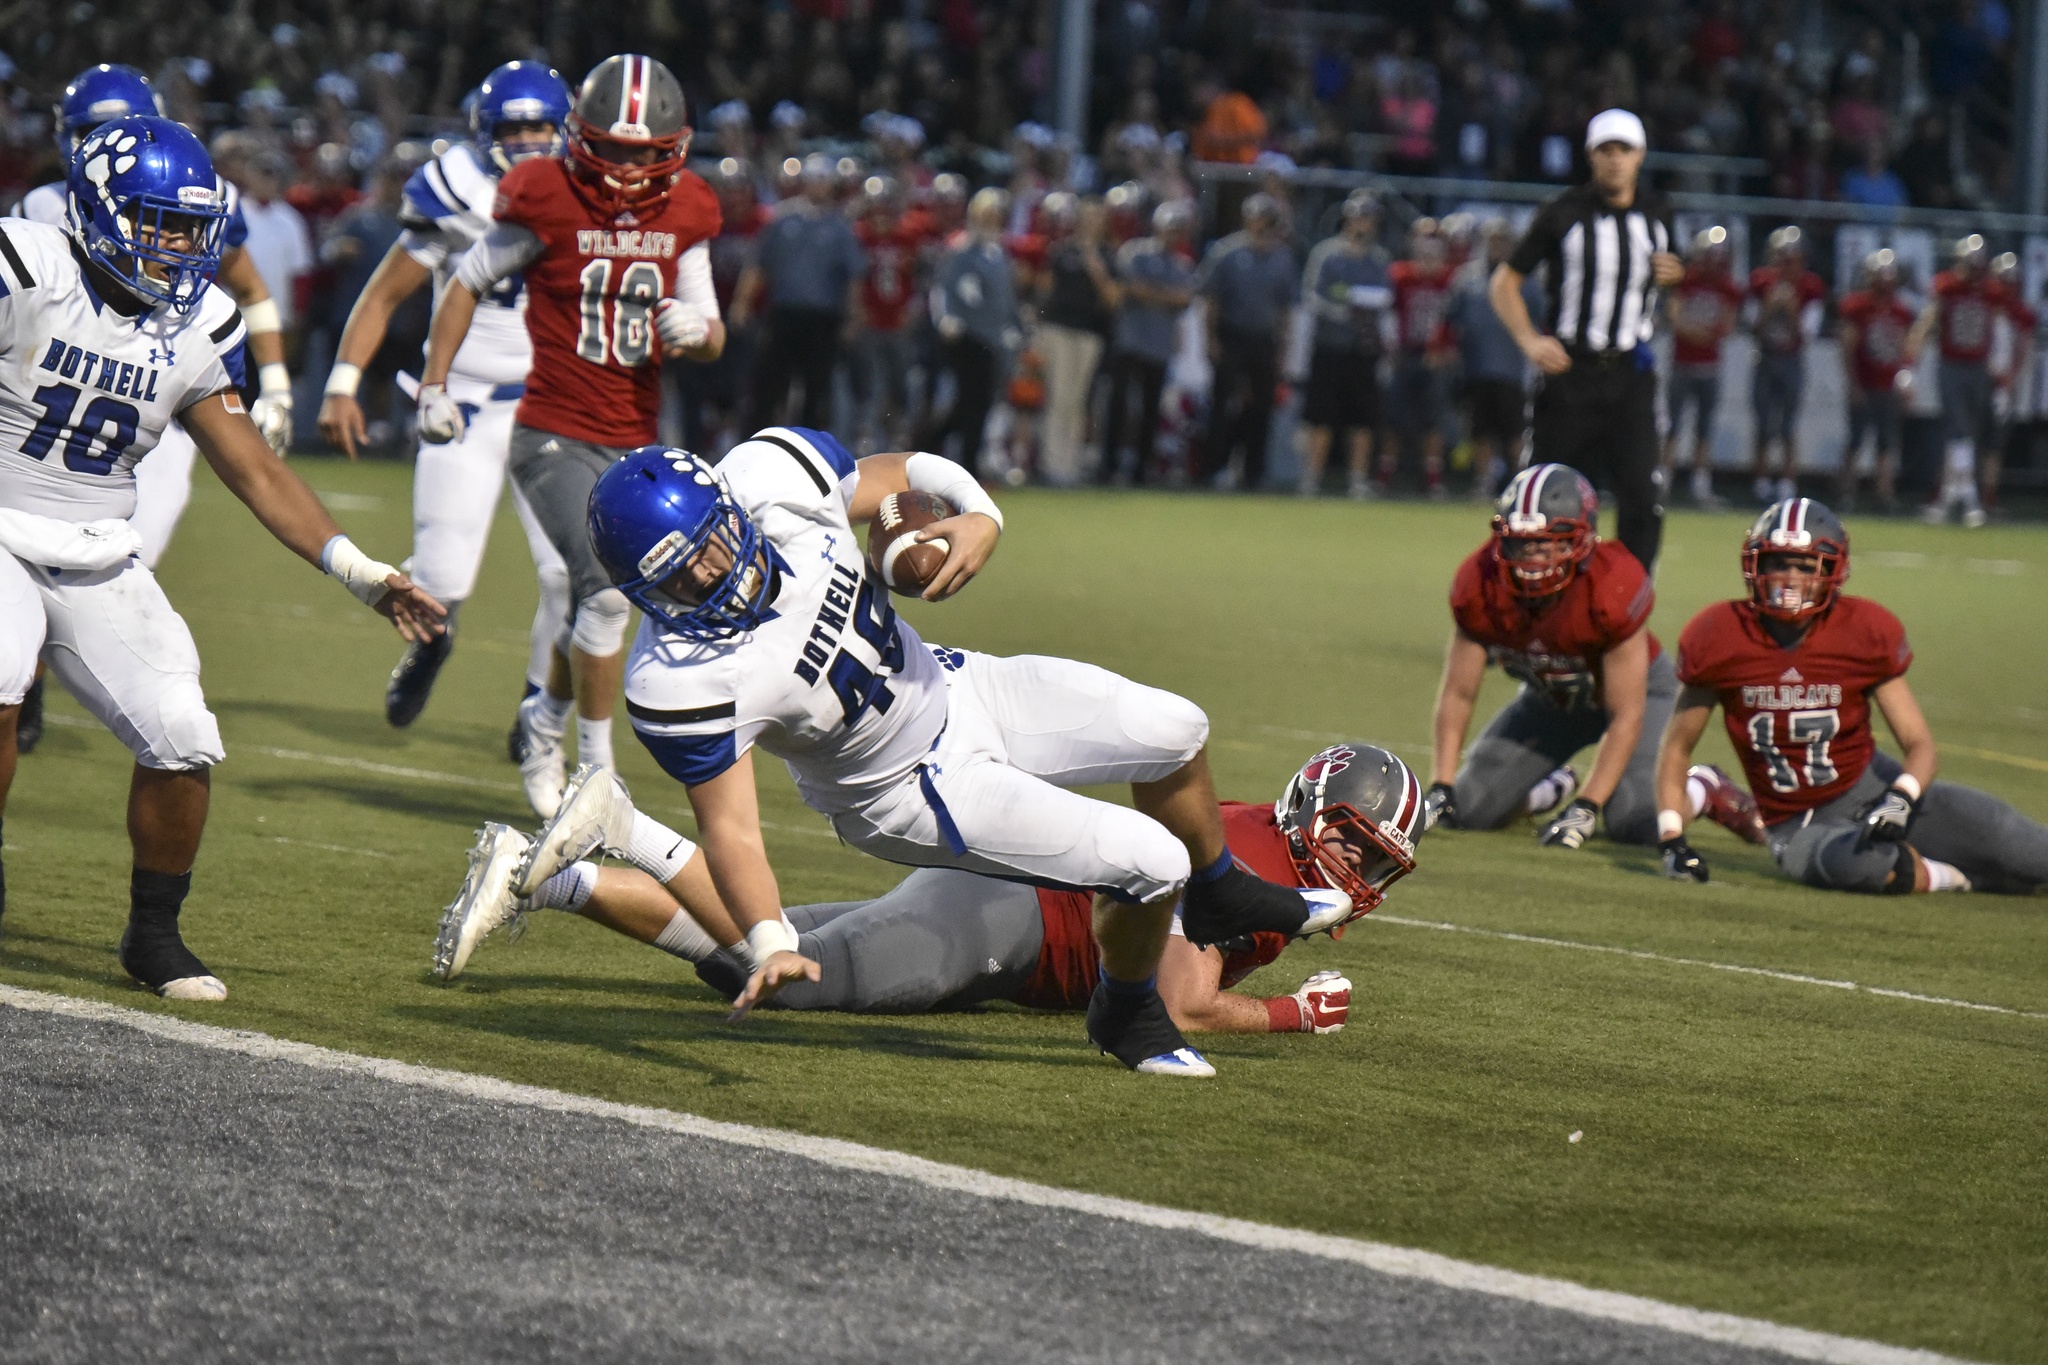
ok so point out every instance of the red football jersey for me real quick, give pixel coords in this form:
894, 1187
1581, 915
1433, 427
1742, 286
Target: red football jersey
1800, 717
1558, 648
1967, 310
1777, 330
1422, 299
890, 286
1704, 308
590, 301
1068, 966
1882, 322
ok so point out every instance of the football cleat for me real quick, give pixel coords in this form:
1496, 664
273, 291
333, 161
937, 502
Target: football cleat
1137, 1031
412, 681
1728, 805
1239, 903
1553, 791
485, 901
541, 771
1326, 911
596, 811
156, 956
28, 722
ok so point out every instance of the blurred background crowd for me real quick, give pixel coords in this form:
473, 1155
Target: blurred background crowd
912, 253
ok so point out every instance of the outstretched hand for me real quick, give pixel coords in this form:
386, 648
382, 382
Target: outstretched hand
970, 540
778, 971
417, 616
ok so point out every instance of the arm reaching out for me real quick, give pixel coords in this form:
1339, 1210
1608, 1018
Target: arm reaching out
729, 829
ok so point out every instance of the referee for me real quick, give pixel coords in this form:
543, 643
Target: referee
1608, 248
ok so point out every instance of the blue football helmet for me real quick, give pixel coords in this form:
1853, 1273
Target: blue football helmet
97, 94
518, 92
135, 182
654, 512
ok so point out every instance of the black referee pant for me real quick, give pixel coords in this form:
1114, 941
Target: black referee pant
798, 344
1600, 417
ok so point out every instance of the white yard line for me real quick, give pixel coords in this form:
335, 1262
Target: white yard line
1404, 1262
1797, 978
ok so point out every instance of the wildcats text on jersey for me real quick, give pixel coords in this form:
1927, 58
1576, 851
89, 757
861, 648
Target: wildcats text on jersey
1791, 696
610, 242
118, 377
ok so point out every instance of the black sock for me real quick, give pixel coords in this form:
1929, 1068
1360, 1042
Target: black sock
155, 898
3, 869
151, 950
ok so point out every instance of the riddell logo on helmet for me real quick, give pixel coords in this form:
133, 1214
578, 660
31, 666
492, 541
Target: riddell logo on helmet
633, 130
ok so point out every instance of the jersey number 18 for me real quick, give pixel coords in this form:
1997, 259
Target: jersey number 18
629, 339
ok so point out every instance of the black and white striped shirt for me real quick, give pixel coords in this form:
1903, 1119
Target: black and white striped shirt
1602, 297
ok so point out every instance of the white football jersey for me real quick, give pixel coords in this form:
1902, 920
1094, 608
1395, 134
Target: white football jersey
834, 685
87, 388
447, 209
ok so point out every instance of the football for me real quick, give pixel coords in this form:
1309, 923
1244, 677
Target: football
893, 549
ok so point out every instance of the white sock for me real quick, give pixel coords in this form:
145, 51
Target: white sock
1695, 796
1944, 876
570, 889
1545, 794
685, 938
594, 742
657, 850
550, 713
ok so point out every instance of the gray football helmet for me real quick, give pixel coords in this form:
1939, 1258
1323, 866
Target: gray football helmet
1351, 817
628, 103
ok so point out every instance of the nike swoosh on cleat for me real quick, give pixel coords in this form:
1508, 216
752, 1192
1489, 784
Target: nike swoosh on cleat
1183, 1061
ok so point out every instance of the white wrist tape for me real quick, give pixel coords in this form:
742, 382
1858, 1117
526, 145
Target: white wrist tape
344, 379
263, 317
274, 381
938, 475
1670, 824
1908, 784
776, 935
359, 573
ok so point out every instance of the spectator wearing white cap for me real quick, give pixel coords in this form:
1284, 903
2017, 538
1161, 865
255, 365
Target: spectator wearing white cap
1608, 248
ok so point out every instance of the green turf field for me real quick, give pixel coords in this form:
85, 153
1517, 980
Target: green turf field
1813, 1154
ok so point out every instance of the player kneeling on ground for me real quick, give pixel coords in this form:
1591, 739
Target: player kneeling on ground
124, 307
945, 939
1565, 613
1795, 668
764, 624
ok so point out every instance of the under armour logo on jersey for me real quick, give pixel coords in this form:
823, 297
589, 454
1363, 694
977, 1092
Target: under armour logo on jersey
164, 357
831, 543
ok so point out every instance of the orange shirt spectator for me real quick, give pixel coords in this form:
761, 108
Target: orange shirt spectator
1232, 129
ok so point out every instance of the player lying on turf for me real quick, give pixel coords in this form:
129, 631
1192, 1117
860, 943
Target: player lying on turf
764, 625
1795, 669
946, 939
1565, 613
107, 334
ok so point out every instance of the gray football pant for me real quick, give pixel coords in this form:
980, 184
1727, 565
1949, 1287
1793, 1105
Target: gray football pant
943, 939
1531, 737
556, 475
1996, 847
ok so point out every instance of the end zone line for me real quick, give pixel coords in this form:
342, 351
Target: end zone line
1798, 978
1406, 1263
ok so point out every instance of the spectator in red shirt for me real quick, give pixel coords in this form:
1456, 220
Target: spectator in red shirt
1962, 311
1704, 309
1789, 301
2011, 365
882, 357
1875, 323
1428, 349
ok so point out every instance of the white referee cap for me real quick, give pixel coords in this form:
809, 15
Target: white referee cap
1615, 125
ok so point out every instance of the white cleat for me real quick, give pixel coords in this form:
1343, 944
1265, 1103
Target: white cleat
1326, 910
1182, 1061
595, 812
485, 901
194, 988
542, 770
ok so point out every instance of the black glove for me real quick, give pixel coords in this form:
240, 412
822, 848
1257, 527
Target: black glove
1440, 807
1573, 826
1680, 862
1886, 820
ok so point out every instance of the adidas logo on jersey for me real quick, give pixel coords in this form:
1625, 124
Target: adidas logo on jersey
1790, 675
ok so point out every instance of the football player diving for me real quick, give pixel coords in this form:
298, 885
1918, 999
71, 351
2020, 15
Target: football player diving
1796, 667
1565, 614
109, 333
945, 939
163, 484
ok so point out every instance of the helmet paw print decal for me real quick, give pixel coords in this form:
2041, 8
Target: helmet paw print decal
107, 156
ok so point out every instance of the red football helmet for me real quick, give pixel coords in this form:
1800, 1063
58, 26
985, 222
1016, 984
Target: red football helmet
1545, 504
1795, 526
628, 104
1371, 803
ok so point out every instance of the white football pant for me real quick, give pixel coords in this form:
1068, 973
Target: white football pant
1019, 732
454, 499
115, 642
